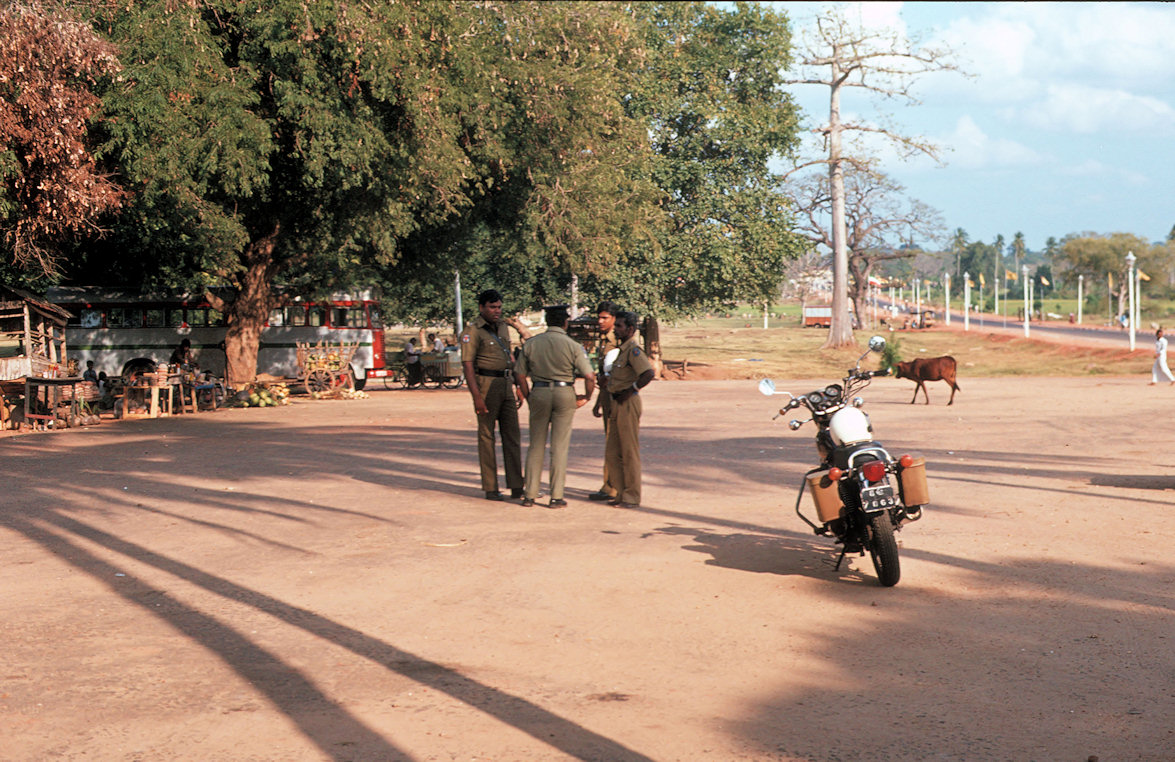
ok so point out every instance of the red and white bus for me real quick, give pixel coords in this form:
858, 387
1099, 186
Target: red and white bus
111, 327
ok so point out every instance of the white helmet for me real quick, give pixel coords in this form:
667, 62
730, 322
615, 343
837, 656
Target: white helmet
849, 426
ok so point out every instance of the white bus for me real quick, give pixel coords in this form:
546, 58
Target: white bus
111, 327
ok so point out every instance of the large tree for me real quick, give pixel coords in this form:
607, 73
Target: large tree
841, 53
705, 95
881, 224
314, 145
1102, 258
51, 188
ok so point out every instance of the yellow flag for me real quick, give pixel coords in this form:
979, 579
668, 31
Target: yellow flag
982, 282
1044, 281
1143, 276
971, 283
1010, 274
1111, 277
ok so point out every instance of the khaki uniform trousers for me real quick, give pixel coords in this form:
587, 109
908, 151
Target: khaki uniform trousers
552, 409
622, 453
608, 487
503, 410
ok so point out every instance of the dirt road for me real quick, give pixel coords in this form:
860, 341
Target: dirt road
323, 582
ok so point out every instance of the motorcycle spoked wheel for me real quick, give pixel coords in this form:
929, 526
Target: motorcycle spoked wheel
883, 549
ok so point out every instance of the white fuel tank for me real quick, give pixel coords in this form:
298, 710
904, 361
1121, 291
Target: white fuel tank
849, 426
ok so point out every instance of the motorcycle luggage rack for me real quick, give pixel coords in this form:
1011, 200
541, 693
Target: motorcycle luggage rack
800, 497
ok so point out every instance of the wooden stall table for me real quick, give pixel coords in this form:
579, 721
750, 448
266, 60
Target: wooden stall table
51, 388
150, 384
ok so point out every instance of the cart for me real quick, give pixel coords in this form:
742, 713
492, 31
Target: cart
324, 366
440, 370
443, 369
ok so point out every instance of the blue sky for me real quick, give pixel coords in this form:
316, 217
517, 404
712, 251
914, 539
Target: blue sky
1067, 125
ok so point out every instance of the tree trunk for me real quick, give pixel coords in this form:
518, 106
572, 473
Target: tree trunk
653, 344
248, 313
840, 331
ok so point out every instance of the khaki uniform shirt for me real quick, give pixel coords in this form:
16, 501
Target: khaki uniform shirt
629, 366
553, 356
479, 346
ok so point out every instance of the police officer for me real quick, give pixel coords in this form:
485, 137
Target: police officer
489, 374
606, 321
631, 372
550, 363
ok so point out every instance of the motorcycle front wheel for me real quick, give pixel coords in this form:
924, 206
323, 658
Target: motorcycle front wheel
884, 549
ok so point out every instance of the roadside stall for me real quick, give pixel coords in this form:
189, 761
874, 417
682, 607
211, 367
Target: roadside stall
33, 363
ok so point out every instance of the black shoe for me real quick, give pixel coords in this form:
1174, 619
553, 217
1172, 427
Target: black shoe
557, 503
622, 504
601, 496
495, 495
516, 493
527, 502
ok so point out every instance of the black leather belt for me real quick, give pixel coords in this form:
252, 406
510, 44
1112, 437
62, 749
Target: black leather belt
541, 384
494, 373
616, 395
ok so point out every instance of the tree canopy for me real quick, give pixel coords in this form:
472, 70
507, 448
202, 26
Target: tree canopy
318, 145
51, 188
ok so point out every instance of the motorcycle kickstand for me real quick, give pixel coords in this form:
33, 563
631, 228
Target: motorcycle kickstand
840, 560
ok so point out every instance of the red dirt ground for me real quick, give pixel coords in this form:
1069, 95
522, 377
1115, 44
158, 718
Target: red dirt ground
324, 582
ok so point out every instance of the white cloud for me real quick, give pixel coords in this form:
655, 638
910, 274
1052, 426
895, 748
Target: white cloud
1079, 108
972, 148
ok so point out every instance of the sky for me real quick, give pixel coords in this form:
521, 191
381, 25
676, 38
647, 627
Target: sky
1066, 124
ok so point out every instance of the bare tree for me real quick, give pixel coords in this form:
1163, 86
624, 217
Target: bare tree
841, 53
881, 224
804, 277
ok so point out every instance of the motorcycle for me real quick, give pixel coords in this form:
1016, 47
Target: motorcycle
853, 488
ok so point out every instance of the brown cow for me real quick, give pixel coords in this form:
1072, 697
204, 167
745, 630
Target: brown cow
928, 369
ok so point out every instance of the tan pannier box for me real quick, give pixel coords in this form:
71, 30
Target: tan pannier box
913, 483
825, 495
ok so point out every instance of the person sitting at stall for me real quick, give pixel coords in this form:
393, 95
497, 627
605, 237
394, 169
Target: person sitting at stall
182, 355
90, 374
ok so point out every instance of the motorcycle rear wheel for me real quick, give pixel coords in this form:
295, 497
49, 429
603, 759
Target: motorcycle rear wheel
883, 548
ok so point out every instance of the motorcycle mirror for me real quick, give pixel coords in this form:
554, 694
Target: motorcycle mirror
767, 387
877, 343
794, 424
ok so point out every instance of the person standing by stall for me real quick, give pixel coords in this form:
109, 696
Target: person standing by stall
631, 372
551, 362
488, 363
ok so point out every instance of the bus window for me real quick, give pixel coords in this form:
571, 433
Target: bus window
317, 317
154, 318
118, 317
297, 315
373, 311
355, 318
215, 317
338, 317
197, 316
277, 318
175, 317
90, 319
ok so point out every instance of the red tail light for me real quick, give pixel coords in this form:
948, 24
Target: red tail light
874, 470
834, 474
906, 461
